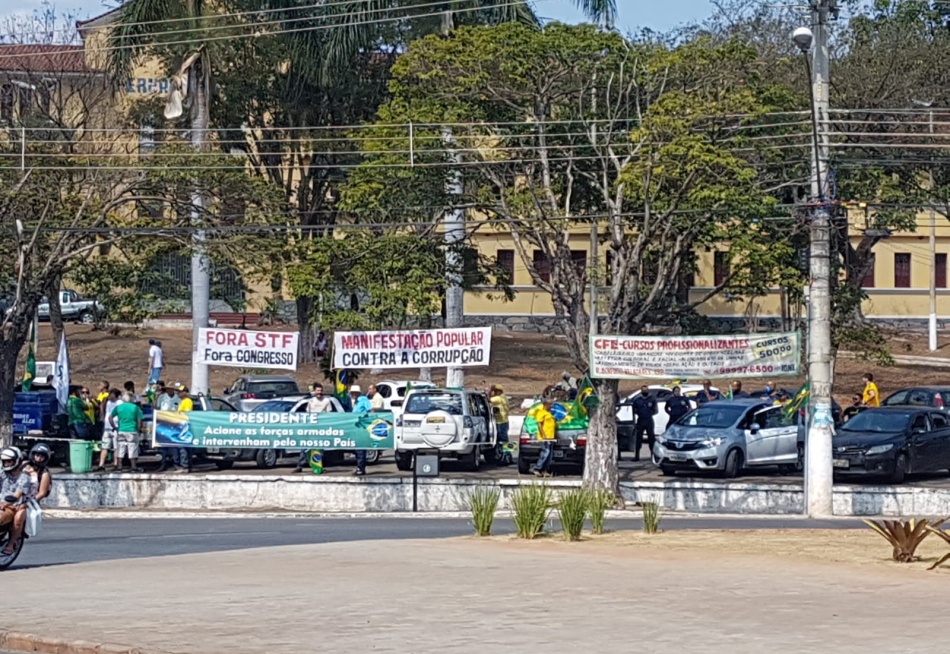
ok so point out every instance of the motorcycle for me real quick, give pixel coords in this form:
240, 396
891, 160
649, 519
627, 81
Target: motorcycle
33, 523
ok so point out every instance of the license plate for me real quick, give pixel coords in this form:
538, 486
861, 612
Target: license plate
841, 463
558, 454
677, 457
435, 419
214, 450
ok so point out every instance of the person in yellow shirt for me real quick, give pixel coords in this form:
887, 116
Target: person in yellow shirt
547, 435
181, 458
871, 396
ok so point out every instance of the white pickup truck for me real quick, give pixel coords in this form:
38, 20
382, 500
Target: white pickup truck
74, 308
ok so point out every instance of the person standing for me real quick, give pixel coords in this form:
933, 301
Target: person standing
185, 405
319, 403
108, 444
360, 405
80, 426
644, 408
103, 392
707, 394
547, 436
737, 392
769, 393
129, 387
870, 396
168, 401
156, 360
376, 401
677, 406
852, 409
126, 421
499, 407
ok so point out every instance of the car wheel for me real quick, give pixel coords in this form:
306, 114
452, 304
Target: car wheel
372, 457
733, 464
524, 466
404, 461
226, 464
266, 459
900, 469
87, 318
491, 455
667, 471
473, 460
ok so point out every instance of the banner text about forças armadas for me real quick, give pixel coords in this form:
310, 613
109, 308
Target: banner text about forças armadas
470, 346
239, 348
695, 357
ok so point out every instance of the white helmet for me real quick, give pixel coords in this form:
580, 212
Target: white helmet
11, 457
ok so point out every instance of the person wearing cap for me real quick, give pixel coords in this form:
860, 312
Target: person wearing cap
499, 407
361, 404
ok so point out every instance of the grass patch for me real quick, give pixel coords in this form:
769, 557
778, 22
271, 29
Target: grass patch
572, 511
531, 505
483, 502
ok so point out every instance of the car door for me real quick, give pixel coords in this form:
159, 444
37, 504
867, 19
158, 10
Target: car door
772, 437
940, 424
924, 448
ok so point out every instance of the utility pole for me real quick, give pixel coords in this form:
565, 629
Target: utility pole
933, 246
818, 460
200, 264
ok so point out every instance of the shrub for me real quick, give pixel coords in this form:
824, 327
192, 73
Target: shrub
531, 504
904, 536
482, 502
945, 535
572, 511
598, 503
651, 517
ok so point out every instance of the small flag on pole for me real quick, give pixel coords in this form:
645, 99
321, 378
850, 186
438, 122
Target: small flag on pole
29, 374
61, 375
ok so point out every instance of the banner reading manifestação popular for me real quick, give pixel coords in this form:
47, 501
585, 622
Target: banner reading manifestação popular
695, 357
468, 346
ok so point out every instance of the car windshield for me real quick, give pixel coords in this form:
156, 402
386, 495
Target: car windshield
715, 414
422, 403
878, 421
273, 388
275, 406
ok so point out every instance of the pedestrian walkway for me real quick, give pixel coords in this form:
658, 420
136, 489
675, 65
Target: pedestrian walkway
464, 596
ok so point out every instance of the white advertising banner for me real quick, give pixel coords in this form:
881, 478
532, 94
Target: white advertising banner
468, 346
694, 357
239, 348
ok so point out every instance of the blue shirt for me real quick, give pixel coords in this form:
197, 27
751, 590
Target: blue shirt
362, 405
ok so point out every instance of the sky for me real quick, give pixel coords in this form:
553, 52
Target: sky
633, 14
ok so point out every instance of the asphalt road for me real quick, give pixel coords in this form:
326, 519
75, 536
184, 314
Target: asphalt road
105, 539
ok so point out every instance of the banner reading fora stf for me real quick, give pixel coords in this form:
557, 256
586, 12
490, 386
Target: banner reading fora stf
280, 431
695, 357
239, 348
469, 346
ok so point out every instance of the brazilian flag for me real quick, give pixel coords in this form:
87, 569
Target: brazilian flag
29, 374
341, 384
798, 401
585, 401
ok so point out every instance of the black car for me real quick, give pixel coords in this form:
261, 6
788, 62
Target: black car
892, 442
937, 397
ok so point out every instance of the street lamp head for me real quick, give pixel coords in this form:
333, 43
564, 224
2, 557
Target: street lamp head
802, 37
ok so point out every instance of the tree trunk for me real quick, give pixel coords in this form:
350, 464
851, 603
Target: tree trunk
9, 350
308, 333
600, 471
55, 309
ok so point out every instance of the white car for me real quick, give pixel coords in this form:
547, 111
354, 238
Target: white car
453, 422
394, 392
659, 393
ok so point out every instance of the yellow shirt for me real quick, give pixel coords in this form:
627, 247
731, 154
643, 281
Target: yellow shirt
102, 397
547, 425
186, 405
500, 406
871, 396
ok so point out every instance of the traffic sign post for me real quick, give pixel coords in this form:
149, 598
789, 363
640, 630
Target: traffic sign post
426, 465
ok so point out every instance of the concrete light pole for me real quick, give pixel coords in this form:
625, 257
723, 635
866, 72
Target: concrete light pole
932, 322
818, 459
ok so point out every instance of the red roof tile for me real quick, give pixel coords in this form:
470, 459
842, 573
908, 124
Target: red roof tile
43, 59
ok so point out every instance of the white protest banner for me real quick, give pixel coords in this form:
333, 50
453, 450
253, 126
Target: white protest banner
469, 346
693, 357
238, 348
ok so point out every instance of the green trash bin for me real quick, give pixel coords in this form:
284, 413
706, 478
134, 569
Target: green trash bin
80, 456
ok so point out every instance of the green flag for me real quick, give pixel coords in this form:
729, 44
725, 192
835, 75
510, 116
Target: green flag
585, 401
800, 400
29, 374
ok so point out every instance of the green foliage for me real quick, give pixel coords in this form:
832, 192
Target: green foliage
483, 502
651, 517
116, 284
599, 501
904, 536
531, 504
572, 512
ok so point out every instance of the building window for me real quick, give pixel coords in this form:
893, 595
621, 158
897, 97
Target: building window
506, 264
720, 268
543, 265
902, 270
869, 277
941, 265
580, 261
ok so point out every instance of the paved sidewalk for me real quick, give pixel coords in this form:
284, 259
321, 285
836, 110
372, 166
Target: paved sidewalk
463, 596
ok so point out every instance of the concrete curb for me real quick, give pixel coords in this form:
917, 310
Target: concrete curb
21, 642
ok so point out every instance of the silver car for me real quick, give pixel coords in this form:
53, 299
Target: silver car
729, 435
251, 391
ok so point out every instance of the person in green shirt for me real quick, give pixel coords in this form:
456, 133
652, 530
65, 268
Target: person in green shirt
126, 420
79, 424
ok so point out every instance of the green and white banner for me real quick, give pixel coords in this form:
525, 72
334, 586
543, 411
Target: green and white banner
284, 431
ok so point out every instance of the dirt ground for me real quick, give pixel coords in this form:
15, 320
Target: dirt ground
860, 547
522, 363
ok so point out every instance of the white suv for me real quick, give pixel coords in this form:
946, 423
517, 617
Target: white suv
457, 423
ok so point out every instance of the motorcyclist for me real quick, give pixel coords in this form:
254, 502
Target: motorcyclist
14, 489
40, 482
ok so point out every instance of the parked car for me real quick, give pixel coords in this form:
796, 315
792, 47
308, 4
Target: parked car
394, 392
456, 423
73, 308
268, 458
729, 435
893, 442
570, 449
937, 397
626, 421
250, 391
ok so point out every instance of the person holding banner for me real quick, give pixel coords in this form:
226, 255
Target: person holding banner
318, 404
